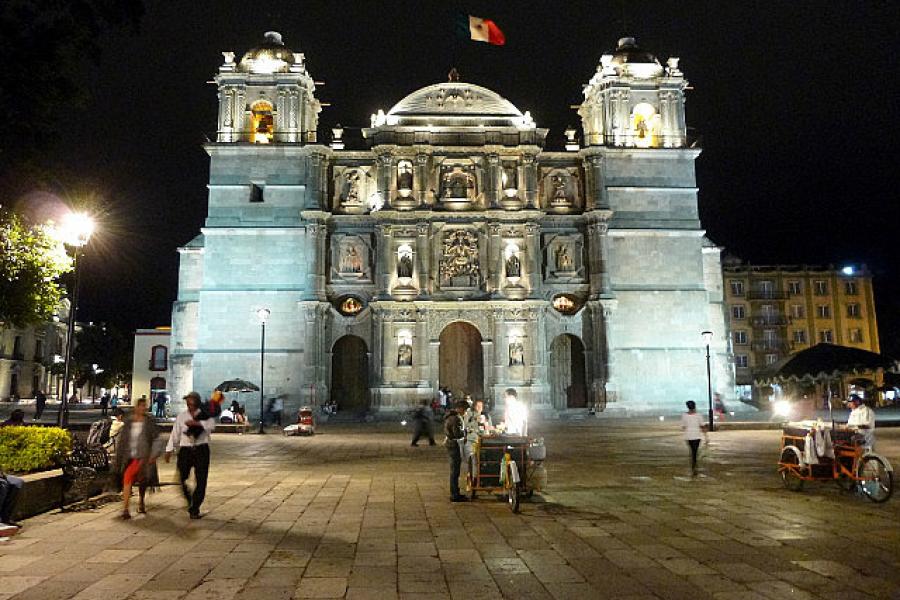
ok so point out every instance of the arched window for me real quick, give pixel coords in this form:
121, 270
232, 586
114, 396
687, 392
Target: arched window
262, 123
159, 358
644, 126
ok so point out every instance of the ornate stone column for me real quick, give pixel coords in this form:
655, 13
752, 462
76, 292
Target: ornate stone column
385, 264
385, 162
495, 258
421, 179
423, 258
240, 112
533, 258
529, 168
595, 192
493, 186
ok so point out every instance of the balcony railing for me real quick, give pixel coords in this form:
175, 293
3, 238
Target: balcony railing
775, 345
767, 295
770, 321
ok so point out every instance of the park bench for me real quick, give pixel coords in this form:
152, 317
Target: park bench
84, 468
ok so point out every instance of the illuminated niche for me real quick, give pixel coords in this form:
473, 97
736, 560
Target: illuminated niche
262, 123
644, 126
404, 348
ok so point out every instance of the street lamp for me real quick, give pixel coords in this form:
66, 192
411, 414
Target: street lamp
75, 230
707, 339
263, 316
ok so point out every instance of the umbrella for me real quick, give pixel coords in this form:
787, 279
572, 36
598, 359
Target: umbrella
823, 361
237, 385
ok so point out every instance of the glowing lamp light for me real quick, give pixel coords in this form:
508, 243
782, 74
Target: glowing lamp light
263, 315
782, 408
707, 337
848, 270
516, 417
76, 229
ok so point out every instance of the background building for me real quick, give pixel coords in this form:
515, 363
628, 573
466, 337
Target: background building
775, 310
150, 367
452, 249
28, 355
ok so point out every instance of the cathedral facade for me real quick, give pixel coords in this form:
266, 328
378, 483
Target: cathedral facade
454, 251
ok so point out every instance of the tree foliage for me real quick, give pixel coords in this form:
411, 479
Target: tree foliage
31, 261
106, 347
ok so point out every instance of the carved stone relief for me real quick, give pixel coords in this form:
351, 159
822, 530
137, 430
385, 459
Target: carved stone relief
460, 266
352, 186
559, 190
563, 258
350, 258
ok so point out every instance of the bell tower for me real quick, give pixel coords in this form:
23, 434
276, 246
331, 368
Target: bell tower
267, 97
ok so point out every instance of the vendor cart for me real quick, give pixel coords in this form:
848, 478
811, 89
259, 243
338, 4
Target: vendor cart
815, 452
499, 465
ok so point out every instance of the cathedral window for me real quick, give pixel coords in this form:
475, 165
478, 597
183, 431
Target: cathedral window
404, 177
404, 348
405, 262
256, 193
262, 122
159, 358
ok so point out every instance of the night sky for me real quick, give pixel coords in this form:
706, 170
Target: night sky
795, 104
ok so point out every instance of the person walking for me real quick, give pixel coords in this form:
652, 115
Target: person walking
40, 402
190, 437
456, 435
104, 404
136, 453
422, 418
694, 428
161, 399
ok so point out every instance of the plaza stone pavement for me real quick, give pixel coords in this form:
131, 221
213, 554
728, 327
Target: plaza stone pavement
356, 513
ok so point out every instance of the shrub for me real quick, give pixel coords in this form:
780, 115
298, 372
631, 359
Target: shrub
32, 448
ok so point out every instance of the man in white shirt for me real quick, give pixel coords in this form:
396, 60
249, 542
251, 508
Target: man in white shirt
190, 436
694, 429
862, 418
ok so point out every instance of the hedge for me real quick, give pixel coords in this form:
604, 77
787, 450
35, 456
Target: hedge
24, 449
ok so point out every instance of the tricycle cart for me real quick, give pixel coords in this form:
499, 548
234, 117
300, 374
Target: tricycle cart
499, 465
813, 452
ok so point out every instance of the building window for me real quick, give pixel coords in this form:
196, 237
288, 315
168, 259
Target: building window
853, 310
766, 287
740, 336
17, 348
256, 193
794, 288
850, 288
856, 336
737, 287
38, 349
799, 336
821, 287
737, 312
797, 311
159, 358
770, 336
823, 311
768, 310
740, 361
826, 337
771, 359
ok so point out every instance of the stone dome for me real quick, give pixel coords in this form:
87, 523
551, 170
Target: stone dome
272, 56
630, 59
455, 103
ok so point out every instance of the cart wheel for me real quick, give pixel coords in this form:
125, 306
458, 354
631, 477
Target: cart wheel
790, 470
845, 482
512, 491
529, 493
876, 481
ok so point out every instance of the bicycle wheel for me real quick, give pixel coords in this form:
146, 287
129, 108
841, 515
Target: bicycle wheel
876, 481
790, 470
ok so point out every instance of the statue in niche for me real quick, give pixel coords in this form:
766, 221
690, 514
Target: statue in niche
457, 183
516, 353
405, 266
404, 355
560, 185
460, 258
350, 192
351, 262
564, 259
404, 175
510, 177
513, 266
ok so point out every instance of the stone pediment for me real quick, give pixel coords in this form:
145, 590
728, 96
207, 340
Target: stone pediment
455, 98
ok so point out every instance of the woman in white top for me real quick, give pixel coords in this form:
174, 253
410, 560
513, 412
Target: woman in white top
136, 452
694, 429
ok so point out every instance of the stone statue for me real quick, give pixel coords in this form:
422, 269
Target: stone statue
404, 355
350, 193
351, 261
563, 260
404, 175
405, 266
457, 183
513, 266
560, 193
516, 354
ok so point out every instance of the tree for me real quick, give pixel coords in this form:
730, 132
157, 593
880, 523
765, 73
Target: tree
31, 262
106, 347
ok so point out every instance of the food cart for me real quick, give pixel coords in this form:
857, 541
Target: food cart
305, 425
500, 464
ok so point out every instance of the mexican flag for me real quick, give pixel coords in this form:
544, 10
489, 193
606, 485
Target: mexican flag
479, 30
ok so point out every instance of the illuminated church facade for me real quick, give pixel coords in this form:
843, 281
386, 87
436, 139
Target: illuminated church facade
455, 250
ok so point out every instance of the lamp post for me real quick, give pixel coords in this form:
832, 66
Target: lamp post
707, 339
75, 231
263, 316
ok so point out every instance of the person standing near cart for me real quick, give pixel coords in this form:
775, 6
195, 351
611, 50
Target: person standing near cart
862, 418
456, 436
694, 428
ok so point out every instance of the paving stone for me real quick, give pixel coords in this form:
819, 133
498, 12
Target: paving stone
322, 587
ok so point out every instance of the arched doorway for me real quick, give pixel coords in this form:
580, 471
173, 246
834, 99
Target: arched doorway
461, 362
568, 381
350, 374
157, 385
